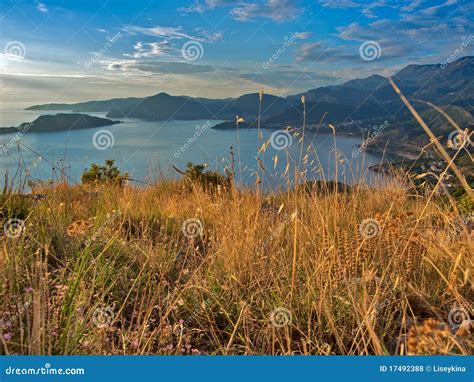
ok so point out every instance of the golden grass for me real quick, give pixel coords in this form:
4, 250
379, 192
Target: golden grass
111, 271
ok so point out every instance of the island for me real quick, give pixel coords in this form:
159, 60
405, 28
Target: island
60, 122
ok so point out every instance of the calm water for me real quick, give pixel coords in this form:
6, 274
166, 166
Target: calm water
147, 150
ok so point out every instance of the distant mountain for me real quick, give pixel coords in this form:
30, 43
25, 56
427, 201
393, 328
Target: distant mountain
164, 106
451, 83
48, 123
361, 103
354, 104
90, 106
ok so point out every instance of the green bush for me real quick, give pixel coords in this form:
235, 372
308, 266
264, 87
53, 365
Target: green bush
108, 174
209, 180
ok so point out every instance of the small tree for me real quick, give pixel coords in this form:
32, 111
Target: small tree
209, 180
108, 174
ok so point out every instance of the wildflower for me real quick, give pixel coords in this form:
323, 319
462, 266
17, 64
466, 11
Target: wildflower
78, 228
8, 336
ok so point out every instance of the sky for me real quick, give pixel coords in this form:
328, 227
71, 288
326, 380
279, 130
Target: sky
72, 51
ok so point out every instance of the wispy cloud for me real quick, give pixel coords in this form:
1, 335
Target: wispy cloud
151, 49
320, 52
302, 35
288, 79
157, 67
42, 7
277, 10
172, 33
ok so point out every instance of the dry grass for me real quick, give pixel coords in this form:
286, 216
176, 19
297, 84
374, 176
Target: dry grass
110, 271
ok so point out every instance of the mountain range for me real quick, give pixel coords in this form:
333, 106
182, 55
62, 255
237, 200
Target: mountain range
354, 107
363, 100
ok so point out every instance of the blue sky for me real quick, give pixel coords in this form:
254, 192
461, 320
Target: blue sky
69, 51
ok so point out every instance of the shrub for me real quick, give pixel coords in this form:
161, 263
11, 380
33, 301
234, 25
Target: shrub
209, 180
108, 174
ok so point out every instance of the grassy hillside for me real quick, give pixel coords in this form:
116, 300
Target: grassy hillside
174, 269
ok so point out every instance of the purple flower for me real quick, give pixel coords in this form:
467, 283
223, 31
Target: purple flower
28, 289
8, 336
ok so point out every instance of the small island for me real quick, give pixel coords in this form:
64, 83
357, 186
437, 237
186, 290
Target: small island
60, 122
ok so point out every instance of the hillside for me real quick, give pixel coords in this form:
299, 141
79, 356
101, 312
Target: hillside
173, 269
48, 123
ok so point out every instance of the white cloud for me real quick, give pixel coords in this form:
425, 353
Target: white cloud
173, 33
302, 35
152, 49
277, 10
42, 7
157, 67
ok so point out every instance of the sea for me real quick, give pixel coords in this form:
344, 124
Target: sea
151, 151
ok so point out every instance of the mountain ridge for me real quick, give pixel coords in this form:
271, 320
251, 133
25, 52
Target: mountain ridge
365, 100
350, 92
